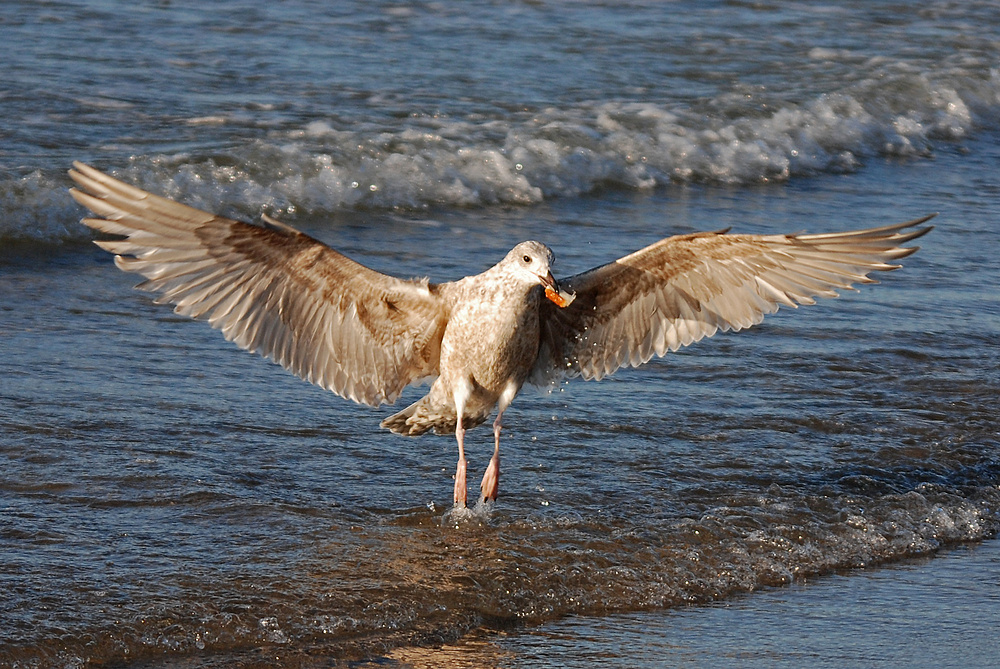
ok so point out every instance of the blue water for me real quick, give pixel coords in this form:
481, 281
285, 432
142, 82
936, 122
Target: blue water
917, 614
166, 499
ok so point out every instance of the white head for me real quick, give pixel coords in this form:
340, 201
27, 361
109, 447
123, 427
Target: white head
530, 263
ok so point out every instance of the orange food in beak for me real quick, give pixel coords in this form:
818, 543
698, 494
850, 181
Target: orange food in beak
561, 298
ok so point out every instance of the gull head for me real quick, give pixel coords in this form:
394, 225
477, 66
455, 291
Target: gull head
530, 263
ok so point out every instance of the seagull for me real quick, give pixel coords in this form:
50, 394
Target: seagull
366, 336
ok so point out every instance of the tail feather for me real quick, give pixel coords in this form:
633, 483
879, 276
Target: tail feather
423, 416
400, 422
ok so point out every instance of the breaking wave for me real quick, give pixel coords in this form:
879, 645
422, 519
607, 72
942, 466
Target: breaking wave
523, 158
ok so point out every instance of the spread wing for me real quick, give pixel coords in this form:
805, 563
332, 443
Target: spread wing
684, 288
273, 290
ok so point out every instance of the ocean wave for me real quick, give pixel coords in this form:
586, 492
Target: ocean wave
526, 157
557, 152
564, 152
36, 208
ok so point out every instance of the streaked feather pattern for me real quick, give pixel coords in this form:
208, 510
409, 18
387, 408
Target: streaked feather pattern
684, 288
364, 335
273, 290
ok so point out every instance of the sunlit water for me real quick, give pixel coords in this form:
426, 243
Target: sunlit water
943, 615
168, 499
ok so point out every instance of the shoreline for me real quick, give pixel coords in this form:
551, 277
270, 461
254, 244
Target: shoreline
917, 613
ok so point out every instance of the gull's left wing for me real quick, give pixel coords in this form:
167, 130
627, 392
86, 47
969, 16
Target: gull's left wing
684, 288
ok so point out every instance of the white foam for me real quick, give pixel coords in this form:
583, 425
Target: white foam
566, 152
37, 208
523, 158
207, 120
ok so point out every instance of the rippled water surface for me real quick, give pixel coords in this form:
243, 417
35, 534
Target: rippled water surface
169, 500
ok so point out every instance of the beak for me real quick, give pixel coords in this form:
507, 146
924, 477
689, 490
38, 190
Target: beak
552, 291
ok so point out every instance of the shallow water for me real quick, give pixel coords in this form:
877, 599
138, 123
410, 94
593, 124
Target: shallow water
166, 498
943, 614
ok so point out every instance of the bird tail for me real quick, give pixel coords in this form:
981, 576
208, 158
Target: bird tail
400, 422
425, 415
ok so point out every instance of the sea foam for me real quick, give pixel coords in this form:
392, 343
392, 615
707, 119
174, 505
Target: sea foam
525, 157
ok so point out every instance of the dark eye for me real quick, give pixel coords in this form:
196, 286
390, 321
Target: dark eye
526, 259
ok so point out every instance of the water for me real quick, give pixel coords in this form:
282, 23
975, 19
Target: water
166, 499
943, 615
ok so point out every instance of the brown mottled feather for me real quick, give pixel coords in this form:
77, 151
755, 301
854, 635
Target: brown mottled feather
684, 288
274, 290
364, 335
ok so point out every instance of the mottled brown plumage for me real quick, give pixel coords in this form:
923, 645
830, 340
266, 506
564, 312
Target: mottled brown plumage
366, 336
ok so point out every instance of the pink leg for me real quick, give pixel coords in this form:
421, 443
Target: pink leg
491, 479
460, 487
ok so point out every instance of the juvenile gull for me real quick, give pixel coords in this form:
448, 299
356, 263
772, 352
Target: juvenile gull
366, 336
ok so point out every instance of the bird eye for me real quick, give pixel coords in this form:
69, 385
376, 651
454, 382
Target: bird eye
526, 259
